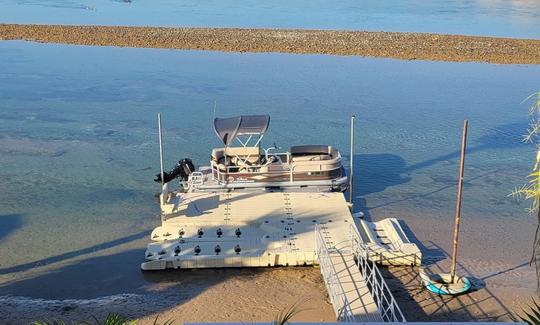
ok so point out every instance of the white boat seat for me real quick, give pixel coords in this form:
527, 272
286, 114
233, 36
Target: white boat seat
241, 156
311, 158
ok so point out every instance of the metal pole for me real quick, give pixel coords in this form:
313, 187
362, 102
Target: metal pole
458, 204
160, 148
351, 172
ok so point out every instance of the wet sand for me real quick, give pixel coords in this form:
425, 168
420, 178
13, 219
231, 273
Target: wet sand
231, 295
107, 279
406, 46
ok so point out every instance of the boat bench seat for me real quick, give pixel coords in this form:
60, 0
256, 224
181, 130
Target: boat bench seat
311, 158
239, 156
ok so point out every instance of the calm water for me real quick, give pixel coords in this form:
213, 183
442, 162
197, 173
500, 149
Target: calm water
78, 146
510, 18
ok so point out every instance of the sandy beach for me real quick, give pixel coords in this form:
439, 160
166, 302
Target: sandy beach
247, 295
406, 46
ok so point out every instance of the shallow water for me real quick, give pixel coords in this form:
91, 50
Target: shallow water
78, 145
507, 18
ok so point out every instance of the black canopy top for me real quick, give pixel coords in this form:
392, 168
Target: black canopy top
227, 129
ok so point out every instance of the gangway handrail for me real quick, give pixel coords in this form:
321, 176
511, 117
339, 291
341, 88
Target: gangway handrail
387, 305
339, 300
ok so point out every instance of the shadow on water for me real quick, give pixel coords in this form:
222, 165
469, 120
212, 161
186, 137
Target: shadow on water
506, 136
72, 254
374, 173
9, 223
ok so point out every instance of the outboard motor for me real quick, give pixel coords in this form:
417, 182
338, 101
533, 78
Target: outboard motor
182, 169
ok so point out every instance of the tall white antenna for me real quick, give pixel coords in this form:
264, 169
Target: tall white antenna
351, 161
160, 148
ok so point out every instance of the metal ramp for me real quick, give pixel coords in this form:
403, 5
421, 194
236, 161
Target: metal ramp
355, 285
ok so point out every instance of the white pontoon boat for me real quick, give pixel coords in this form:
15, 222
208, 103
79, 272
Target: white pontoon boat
247, 166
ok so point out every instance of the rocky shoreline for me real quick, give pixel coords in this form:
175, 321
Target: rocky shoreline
405, 46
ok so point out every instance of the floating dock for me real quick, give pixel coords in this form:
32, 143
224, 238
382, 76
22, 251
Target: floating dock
252, 228
264, 228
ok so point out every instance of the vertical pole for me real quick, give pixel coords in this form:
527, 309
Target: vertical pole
351, 169
458, 204
160, 148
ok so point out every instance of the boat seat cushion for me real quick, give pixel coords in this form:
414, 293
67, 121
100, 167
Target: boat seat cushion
238, 155
311, 158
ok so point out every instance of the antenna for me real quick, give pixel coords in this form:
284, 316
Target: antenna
215, 104
160, 148
351, 172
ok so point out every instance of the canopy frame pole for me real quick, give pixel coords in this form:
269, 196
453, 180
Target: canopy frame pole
351, 168
458, 203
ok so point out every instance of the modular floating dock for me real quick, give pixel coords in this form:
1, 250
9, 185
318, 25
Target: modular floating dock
265, 228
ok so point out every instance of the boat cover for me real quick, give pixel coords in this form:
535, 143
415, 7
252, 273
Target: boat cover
227, 129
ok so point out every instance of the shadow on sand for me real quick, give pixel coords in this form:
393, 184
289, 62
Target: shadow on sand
480, 304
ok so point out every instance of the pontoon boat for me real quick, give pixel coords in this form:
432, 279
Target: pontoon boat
310, 167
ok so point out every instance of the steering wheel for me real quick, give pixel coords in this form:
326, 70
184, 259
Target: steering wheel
273, 158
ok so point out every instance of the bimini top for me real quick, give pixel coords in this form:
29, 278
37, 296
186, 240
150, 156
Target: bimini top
227, 129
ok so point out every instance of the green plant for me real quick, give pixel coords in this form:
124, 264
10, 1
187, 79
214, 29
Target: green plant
287, 314
167, 322
54, 322
112, 319
532, 314
531, 190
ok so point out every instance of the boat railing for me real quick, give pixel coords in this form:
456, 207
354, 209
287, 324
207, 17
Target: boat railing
387, 305
336, 293
290, 168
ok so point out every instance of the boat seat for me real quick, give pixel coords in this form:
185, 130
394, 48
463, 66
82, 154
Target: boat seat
242, 156
311, 158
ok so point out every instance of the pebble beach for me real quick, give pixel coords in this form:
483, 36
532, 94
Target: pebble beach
405, 46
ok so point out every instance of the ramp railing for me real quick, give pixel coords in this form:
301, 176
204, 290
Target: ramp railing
342, 307
387, 305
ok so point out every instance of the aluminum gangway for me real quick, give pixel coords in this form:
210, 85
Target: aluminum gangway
355, 285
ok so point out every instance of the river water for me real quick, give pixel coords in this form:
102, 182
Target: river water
504, 18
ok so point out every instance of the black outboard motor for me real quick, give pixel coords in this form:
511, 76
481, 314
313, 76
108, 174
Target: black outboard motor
182, 169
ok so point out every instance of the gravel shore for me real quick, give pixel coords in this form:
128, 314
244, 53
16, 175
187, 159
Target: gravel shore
407, 46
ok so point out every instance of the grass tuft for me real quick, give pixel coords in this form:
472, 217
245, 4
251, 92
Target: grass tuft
531, 314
